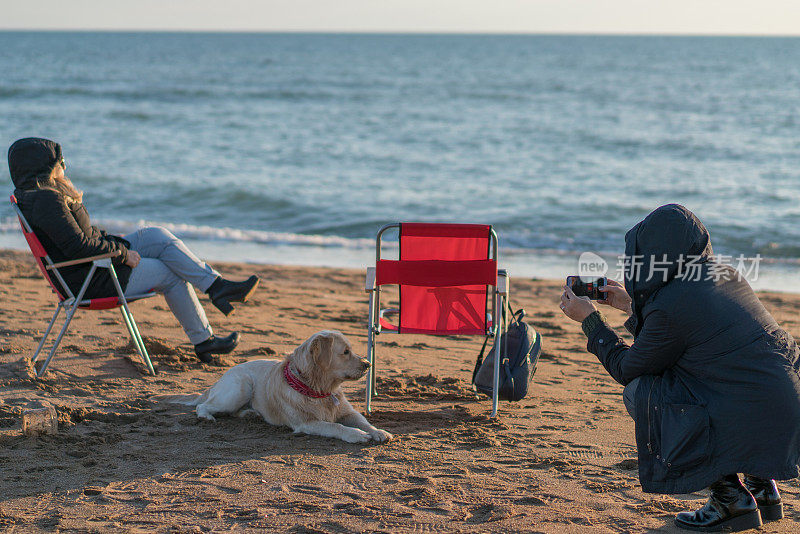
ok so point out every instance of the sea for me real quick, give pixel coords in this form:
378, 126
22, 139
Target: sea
296, 148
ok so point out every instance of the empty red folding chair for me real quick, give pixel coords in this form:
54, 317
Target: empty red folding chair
71, 302
449, 285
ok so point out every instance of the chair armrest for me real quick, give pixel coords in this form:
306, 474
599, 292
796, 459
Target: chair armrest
84, 260
369, 283
503, 281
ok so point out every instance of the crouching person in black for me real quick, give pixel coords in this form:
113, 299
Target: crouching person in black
711, 381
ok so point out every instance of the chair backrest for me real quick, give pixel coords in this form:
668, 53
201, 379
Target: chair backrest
444, 272
38, 251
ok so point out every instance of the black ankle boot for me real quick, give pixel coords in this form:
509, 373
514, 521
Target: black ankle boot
766, 494
223, 292
730, 507
216, 345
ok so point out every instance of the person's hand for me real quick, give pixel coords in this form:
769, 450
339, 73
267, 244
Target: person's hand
574, 307
616, 296
133, 259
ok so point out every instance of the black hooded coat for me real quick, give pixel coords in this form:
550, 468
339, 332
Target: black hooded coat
62, 227
719, 380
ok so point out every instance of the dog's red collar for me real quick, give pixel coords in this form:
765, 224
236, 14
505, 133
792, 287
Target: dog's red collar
299, 386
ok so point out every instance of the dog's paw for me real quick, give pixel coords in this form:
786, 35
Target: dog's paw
203, 413
356, 436
381, 435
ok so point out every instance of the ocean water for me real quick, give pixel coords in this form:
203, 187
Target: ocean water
296, 148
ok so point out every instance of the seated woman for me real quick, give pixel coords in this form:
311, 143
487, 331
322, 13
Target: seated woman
150, 258
711, 381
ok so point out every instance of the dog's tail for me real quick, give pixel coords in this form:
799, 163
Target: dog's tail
192, 399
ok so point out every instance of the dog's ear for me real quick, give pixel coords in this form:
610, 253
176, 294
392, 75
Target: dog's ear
320, 348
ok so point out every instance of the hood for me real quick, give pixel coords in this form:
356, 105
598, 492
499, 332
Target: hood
31, 159
656, 250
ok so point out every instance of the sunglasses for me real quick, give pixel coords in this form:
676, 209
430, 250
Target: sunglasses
63, 164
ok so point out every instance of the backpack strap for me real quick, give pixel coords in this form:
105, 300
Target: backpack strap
509, 376
480, 359
515, 317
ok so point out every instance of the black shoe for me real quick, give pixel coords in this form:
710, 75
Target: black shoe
216, 345
731, 507
766, 495
223, 292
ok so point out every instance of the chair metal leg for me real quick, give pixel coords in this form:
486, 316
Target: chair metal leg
374, 375
370, 385
136, 337
70, 314
47, 332
143, 352
127, 317
131, 323
370, 373
130, 330
374, 362
496, 348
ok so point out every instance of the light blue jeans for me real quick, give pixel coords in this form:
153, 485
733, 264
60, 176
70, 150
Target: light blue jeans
169, 267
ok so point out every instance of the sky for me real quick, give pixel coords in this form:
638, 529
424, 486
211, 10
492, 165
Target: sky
713, 17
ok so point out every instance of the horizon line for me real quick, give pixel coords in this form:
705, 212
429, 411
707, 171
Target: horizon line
397, 32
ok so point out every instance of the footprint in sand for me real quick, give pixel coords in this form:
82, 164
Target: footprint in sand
628, 464
419, 496
585, 454
354, 509
453, 472
486, 513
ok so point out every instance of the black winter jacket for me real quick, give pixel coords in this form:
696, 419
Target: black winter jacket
719, 380
62, 227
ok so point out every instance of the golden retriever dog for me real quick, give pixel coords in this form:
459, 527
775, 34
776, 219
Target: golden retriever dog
302, 392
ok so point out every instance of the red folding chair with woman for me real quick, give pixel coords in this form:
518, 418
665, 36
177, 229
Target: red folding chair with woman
90, 266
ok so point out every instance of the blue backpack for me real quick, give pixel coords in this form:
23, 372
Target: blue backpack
520, 348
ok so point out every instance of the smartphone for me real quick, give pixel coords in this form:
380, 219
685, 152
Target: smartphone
587, 287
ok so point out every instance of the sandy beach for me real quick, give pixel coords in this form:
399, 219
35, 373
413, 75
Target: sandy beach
561, 460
